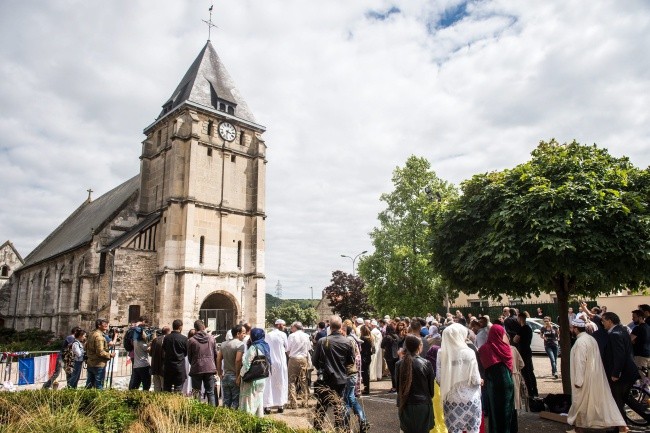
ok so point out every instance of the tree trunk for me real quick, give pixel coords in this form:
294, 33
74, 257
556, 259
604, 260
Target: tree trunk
562, 290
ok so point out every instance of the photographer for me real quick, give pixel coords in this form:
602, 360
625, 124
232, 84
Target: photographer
98, 355
139, 339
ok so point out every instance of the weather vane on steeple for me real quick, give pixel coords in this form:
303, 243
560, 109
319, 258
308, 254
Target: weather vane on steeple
209, 22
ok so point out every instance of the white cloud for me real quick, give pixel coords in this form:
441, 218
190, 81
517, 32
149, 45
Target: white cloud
345, 97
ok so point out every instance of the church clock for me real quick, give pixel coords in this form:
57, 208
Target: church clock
227, 131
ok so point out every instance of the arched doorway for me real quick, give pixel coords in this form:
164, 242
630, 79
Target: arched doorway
219, 313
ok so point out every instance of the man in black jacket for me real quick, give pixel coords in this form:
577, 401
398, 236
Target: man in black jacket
331, 356
618, 361
175, 351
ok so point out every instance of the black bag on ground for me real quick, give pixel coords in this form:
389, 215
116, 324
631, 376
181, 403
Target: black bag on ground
558, 403
536, 404
259, 369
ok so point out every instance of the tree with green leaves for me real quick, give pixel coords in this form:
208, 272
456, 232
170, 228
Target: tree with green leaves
398, 274
573, 221
347, 297
292, 312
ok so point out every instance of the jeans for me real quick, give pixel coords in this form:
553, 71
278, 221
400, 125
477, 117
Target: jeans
57, 371
351, 401
551, 351
230, 391
140, 376
73, 379
207, 379
95, 377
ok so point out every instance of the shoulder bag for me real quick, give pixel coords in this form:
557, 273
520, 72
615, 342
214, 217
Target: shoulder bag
259, 369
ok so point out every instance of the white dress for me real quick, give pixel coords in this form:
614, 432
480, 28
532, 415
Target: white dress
592, 405
276, 390
377, 359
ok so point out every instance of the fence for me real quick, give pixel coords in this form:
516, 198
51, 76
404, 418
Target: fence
121, 368
550, 309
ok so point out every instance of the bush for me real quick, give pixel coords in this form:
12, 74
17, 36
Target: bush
111, 411
29, 340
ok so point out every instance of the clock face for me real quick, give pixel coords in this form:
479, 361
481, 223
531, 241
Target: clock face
227, 131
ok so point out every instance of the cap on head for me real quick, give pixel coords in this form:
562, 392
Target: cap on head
359, 320
280, 322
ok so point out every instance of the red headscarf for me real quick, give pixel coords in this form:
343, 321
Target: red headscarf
495, 350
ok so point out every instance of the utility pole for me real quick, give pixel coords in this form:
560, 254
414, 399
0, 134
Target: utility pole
278, 290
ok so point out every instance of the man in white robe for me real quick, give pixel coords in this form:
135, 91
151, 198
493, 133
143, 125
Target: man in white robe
592, 404
276, 390
377, 358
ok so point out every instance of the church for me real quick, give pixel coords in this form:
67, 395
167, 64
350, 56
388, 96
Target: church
183, 239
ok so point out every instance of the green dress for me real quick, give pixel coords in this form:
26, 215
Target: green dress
251, 394
500, 398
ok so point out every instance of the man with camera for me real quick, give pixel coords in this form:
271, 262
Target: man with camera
98, 355
137, 341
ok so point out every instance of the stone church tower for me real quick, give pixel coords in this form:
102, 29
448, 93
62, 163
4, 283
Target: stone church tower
182, 240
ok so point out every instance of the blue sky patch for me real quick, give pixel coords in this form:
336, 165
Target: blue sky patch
452, 16
382, 16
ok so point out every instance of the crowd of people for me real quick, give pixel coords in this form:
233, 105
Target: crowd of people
450, 374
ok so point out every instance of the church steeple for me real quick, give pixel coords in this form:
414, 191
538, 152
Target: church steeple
208, 84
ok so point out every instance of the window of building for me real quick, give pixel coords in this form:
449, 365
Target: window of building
239, 254
209, 151
233, 158
4, 271
102, 263
210, 127
201, 249
231, 110
478, 303
134, 313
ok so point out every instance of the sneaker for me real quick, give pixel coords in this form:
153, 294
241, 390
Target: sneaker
280, 410
267, 411
555, 375
392, 391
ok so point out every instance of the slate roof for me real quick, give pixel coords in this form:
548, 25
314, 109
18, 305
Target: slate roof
142, 225
206, 77
78, 228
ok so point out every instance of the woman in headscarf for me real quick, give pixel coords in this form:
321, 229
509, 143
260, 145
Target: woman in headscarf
438, 413
415, 389
496, 358
251, 394
460, 381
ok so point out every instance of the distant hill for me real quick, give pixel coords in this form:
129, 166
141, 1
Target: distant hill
273, 301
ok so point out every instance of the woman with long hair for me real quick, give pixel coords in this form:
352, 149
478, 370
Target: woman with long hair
389, 344
460, 381
496, 358
367, 344
78, 350
551, 338
415, 388
251, 393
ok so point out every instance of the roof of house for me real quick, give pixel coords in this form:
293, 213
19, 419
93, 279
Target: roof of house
78, 229
205, 82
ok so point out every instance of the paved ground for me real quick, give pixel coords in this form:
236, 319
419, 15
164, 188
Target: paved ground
382, 412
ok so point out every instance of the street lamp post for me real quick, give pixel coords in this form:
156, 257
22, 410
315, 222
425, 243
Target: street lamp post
354, 259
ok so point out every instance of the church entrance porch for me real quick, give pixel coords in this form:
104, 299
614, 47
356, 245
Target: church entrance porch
219, 313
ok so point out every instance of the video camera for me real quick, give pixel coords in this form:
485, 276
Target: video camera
115, 331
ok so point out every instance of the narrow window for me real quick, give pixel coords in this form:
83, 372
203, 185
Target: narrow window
239, 254
232, 158
201, 249
5, 271
209, 151
210, 125
231, 110
102, 263
134, 313
241, 138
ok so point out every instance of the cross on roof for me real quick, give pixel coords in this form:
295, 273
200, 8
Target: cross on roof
209, 22
90, 191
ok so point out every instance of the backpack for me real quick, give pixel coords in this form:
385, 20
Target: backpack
128, 339
68, 359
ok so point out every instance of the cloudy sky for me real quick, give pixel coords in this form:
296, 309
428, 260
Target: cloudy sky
348, 90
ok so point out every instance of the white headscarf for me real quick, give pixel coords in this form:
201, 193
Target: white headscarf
457, 360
